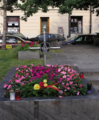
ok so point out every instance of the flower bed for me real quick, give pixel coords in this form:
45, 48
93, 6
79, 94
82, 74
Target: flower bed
25, 53
26, 46
46, 81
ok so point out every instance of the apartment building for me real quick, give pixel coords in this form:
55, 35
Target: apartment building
53, 21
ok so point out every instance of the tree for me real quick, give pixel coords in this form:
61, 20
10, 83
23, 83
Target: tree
7, 6
65, 6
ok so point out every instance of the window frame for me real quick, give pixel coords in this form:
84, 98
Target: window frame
78, 18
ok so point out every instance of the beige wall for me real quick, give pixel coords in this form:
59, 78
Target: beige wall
31, 28
95, 23
86, 20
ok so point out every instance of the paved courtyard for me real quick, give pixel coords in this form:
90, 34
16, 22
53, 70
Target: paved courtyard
83, 56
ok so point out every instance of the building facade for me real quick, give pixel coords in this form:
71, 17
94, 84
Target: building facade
52, 20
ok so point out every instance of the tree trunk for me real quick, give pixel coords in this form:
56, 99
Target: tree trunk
4, 26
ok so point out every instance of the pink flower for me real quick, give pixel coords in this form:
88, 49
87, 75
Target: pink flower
32, 43
68, 79
16, 68
5, 85
80, 85
59, 70
22, 84
68, 88
69, 70
64, 76
9, 86
65, 68
48, 65
67, 84
70, 83
32, 65
27, 73
73, 87
10, 81
78, 93
17, 81
23, 45
63, 72
65, 90
22, 77
62, 83
16, 75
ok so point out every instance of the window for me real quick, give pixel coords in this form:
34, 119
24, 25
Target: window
76, 24
80, 39
40, 36
10, 40
13, 24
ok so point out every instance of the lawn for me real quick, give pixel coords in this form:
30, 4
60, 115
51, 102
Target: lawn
8, 59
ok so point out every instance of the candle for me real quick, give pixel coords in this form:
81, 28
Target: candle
17, 94
89, 86
61, 94
12, 95
81, 75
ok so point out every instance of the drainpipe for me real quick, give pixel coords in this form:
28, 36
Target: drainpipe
69, 27
90, 26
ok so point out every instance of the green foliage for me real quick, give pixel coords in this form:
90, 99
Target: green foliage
46, 81
28, 89
9, 58
25, 47
31, 7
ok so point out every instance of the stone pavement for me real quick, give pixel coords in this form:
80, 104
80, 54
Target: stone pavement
86, 57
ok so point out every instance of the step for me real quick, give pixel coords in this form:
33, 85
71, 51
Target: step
93, 79
96, 87
91, 73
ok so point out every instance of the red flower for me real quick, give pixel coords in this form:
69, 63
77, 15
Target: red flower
23, 45
41, 84
31, 45
37, 41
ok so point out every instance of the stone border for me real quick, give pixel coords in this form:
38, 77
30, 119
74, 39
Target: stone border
28, 55
52, 108
11, 73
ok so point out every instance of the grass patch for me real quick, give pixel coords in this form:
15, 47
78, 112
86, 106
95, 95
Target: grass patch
8, 59
55, 51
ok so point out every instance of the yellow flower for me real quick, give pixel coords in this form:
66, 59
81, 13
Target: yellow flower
45, 84
36, 87
45, 80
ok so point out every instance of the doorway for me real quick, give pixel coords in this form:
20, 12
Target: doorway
44, 22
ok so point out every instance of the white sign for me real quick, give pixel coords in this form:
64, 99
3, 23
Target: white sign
12, 29
10, 23
60, 30
44, 26
16, 23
